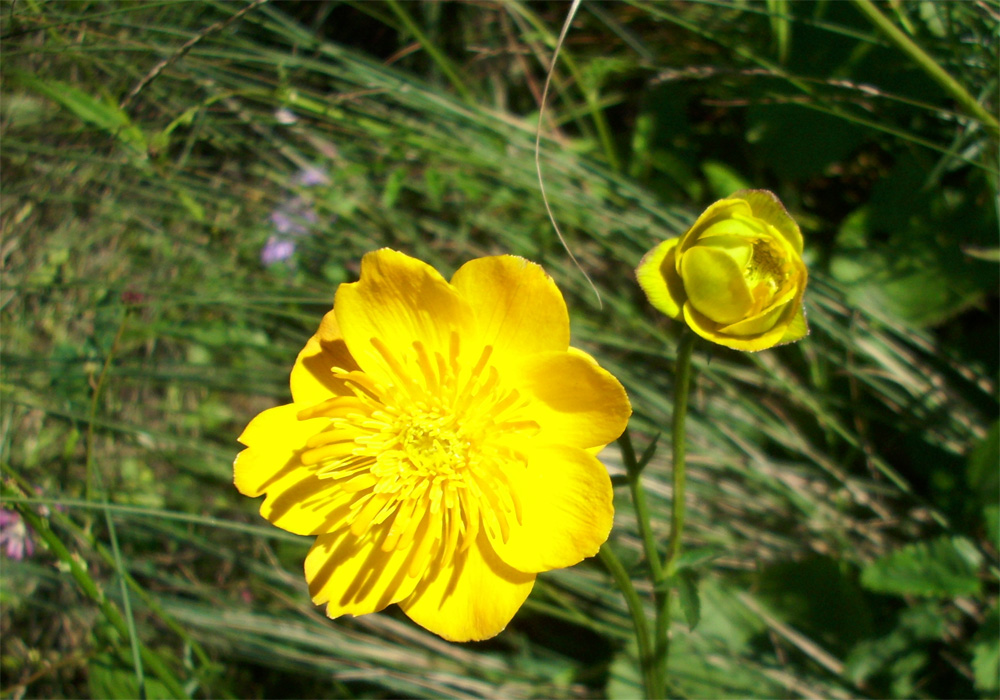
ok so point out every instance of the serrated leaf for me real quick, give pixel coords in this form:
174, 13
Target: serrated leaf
893, 653
687, 586
694, 558
944, 567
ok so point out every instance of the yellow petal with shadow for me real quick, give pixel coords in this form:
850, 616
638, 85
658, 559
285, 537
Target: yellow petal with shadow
297, 499
710, 330
352, 575
312, 379
398, 302
566, 509
470, 598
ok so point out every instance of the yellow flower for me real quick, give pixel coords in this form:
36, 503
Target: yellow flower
736, 277
441, 444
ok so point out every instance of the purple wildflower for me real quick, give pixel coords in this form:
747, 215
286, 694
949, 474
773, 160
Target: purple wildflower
310, 177
15, 538
276, 250
292, 218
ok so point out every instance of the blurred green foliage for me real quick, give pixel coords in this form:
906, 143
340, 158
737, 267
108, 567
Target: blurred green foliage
844, 489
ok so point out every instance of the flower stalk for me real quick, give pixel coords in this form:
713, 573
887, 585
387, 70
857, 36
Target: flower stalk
682, 387
648, 653
647, 660
653, 656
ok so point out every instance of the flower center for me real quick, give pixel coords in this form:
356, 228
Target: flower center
431, 444
765, 272
424, 461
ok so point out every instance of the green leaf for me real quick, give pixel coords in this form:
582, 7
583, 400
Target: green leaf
903, 256
944, 567
93, 111
107, 677
896, 654
991, 516
986, 654
393, 186
693, 558
722, 179
820, 597
687, 586
983, 475
983, 479
987, 254
648, 453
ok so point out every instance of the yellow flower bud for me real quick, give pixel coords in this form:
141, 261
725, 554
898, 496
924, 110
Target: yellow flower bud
736, 277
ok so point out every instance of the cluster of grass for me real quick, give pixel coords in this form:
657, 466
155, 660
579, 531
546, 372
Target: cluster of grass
843, 490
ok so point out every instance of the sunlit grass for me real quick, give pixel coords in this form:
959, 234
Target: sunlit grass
151, 220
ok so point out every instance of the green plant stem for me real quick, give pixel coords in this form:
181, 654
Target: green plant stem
929, 65
682, 386
641, 508
646, 660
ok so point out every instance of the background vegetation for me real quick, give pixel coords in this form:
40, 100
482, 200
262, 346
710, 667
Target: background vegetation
843, 490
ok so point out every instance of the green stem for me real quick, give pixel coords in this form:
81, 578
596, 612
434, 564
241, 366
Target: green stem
682, 386
641, 507
621, 577
648, 658
929, 65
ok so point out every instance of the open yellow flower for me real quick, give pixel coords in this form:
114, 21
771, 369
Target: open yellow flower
736, 277
441, 444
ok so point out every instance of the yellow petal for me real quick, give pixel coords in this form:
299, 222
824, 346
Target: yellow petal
766, 205
312, 377
738, 226
715, 285
719, 211
566, 512
710, 330
573, 400
657, 275
398, 301
761, 323
797, 329
473, 597
353, 576
517, 307
297, 500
